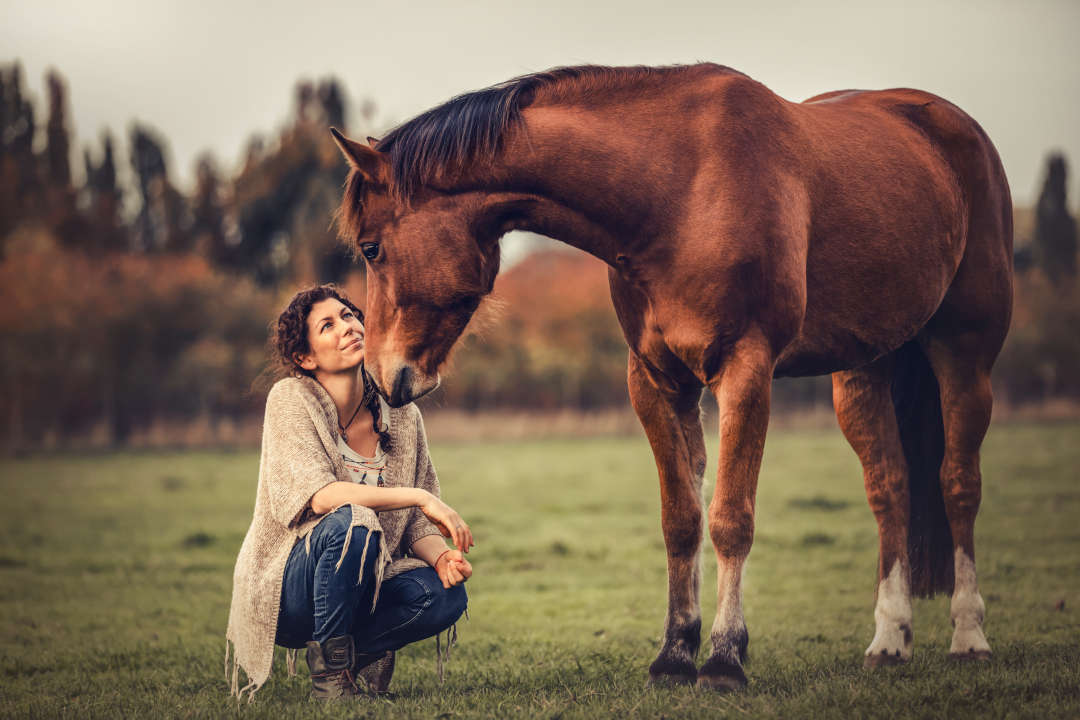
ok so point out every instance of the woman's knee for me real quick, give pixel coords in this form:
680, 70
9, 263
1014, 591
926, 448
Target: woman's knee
336, 523
448, 607
336, 529
438, 607
457, 600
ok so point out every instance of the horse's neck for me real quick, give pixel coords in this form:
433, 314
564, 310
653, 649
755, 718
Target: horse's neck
585, 185
571, 226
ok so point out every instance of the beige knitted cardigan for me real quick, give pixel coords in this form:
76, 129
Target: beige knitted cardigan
300, 456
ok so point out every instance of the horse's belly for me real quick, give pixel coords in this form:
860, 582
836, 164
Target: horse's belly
822, 355
866, 305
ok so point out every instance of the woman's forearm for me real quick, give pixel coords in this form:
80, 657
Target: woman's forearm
339, 493
429, 548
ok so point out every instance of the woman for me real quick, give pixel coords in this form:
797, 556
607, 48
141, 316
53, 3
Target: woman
345, 554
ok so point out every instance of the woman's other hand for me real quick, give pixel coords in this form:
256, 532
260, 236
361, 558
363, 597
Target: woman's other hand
453, 568
448, 521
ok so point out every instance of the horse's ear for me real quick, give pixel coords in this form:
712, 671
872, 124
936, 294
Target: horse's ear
365, 160
372, 141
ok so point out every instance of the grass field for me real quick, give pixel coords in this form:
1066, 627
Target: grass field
115, 574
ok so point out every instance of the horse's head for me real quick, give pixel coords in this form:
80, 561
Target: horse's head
430, 258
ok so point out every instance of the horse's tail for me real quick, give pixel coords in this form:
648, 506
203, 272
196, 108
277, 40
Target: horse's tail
917, 401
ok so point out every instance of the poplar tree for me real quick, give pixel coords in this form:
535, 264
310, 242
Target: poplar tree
1055, 228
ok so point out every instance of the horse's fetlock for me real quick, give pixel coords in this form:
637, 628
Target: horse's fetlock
689, 632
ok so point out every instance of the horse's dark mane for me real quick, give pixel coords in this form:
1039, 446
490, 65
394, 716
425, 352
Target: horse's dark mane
471, 126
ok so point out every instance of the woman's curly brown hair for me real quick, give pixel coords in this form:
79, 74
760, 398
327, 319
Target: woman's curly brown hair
289, 338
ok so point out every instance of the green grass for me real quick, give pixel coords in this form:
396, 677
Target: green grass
115, 574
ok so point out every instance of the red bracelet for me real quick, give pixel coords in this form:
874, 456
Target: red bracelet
436, 563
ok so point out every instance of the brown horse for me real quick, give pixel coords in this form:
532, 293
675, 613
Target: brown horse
863, 234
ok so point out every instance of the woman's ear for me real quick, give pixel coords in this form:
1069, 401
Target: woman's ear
307, 362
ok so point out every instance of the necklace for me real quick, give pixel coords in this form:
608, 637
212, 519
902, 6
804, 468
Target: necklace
345, 427
365, 401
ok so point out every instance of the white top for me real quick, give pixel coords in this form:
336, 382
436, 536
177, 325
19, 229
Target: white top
361, 468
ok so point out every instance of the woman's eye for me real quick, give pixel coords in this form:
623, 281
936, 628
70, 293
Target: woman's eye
370, 250
326, 326
347, 314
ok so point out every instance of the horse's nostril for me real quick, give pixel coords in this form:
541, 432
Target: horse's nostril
402, 390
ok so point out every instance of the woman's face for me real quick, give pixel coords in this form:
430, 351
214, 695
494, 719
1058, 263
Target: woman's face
335, 338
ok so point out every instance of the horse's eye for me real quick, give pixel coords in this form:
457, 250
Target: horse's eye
370, 250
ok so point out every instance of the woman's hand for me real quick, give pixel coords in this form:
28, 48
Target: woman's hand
448, 521
453, 568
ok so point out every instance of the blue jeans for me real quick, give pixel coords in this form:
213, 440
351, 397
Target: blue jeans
321, 600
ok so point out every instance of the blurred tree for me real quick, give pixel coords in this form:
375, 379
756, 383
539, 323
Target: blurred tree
61, 213
1055, 228
306, 107
8, 179
284, 197
103, 199
163, 223
208, 213
333, 103
20, 184
58, 147
1041, 358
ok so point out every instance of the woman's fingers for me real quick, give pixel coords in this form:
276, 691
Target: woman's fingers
442, 568
462, 536
450, 523
468, 541
450, 575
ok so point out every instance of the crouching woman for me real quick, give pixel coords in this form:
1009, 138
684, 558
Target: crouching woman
345, 554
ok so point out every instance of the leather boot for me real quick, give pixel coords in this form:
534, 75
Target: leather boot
376, 671
331, 665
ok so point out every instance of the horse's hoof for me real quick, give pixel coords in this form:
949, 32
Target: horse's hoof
665, 672
972, 655
721, 676
884, 659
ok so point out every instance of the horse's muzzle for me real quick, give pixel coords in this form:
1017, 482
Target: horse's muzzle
408, 386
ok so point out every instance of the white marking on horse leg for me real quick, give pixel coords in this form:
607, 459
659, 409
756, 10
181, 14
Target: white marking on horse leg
892, 617
967, 610
728, 636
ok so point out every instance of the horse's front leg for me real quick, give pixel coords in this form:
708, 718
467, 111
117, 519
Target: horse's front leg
742, 392
672, 422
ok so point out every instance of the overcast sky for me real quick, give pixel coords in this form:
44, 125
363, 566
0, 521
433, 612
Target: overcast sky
209, 74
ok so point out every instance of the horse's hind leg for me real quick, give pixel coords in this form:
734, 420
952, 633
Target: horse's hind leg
864, 409
966, 399
672, 422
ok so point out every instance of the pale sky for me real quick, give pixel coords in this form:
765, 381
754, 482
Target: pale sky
209, 74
